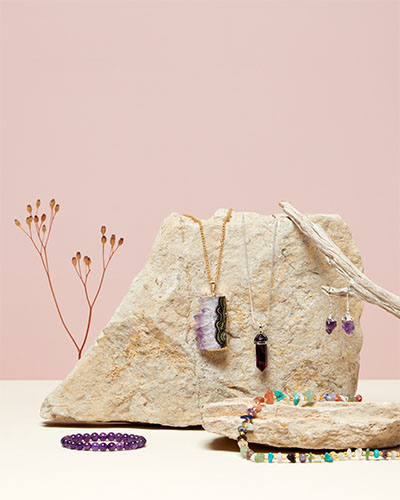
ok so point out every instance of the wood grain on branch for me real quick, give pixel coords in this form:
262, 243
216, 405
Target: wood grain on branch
359, 285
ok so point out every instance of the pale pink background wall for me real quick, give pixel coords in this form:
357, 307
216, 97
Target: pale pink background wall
128, 111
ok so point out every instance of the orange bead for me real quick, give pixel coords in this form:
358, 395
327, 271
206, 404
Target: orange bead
269, 397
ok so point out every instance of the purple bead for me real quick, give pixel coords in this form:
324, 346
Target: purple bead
64, 440
111, 446
332, 396
302, 458
86, 437
111, 436
348, 325
118, 437
68, 443
102, 447
125, 437
94, 436
384, 454
95, 446
119, 446
142, 440
72, 446
87, 447
103, 436
78, 437
127, 445
72, 437
330, 325
79, 445
135, 445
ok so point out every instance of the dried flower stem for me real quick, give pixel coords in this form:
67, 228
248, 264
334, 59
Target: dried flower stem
91, 303
42, 236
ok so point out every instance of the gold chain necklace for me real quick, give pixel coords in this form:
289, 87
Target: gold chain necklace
210, 323
213, 282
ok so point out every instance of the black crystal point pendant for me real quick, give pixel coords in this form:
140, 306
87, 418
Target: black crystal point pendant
260, 341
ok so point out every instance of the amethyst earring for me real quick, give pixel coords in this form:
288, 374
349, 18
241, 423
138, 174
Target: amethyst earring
330, 323
347, 320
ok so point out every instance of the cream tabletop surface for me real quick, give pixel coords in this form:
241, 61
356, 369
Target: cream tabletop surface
176, 463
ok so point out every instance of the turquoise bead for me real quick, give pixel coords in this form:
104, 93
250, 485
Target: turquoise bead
328, 458
279, 395
376, 453
270, 457
296, 399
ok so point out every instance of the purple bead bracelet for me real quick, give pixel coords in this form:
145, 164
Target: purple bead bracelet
116, 442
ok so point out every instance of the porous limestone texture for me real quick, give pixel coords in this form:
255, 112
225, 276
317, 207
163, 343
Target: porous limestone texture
146, 365
325, 425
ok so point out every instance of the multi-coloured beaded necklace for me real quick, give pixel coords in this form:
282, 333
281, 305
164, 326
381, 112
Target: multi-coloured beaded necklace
271, 397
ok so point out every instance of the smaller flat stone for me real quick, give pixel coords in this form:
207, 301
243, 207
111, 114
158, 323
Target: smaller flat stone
325, 425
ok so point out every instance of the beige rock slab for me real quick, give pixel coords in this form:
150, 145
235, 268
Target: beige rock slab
324, 425
146, 366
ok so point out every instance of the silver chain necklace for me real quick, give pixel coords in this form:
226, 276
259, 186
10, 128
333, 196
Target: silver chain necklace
260, 340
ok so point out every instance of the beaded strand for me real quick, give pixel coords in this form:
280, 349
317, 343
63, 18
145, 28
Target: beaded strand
307, 397
117, 442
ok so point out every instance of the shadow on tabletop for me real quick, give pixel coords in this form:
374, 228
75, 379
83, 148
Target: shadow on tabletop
127, 425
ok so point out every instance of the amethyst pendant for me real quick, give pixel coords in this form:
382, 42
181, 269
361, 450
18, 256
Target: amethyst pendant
260, 341
210, 323
348, 324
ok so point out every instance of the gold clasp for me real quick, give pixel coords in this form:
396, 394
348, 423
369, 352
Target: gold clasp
212, 283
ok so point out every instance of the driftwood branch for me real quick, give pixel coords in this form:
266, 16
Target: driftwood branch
359, 285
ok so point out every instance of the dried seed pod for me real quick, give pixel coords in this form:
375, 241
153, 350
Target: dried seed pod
29, 220
43, 218
36, 219
17, 222
52, 203
104, 240
112, 240
57, 208
74, 261
86, 260
103, 229
78, 255
29, 208
37, 203
120, 241
44, 228
89, 261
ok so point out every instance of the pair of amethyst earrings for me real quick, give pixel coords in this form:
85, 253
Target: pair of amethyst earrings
347, 319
